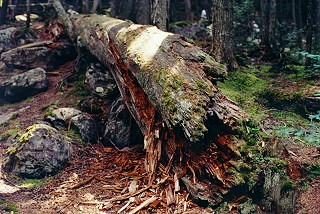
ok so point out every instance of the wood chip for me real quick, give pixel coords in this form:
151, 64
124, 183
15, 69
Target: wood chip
176, 183
143, 205
78, 185
170, 195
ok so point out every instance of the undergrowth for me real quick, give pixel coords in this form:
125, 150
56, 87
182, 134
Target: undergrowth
248, 87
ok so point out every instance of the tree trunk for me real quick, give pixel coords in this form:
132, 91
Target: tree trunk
222, 33
310, 28
268, 22
187, 10
164, 81
299, 24
142, 8
160, 13
28, 14
3, 11
294, 18
317, 37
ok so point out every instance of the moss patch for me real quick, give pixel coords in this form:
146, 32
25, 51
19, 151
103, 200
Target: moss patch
31, 183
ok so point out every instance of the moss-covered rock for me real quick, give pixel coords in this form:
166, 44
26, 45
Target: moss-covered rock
39, 152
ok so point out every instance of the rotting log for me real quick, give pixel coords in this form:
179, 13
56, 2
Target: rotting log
169, 86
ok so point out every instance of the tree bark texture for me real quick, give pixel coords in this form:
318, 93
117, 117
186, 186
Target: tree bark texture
222, 33
142, 8
160, 14
268, 22
186, 121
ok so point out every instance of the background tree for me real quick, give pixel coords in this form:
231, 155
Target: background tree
160, 14
268, 21
3, 11
222, 33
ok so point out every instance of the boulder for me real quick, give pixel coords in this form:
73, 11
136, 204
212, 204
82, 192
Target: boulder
86, 127
62, 118
22, 86
100, 82
44, 57
7, 40
120, 125
39, 152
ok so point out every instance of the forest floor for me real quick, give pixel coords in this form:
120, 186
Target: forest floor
97, 174
99, 178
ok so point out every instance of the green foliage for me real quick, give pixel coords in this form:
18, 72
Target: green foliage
314, 170
308, 135
8, 206
315, 116
314, 70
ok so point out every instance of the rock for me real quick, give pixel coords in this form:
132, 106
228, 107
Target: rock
100, 83
83, 124
86, 127
59, 118
5, 118
7, 36
119, 127
24, 85
44, 57
39, 152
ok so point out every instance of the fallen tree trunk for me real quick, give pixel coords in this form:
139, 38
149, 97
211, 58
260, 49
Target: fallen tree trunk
169, 87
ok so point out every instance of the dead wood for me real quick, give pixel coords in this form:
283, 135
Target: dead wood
164, 81
80, 184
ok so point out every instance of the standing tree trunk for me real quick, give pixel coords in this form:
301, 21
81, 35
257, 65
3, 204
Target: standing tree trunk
317, 38
3, 11
268, 19
294, 18
142, 9
160, 14
28, 14
310, 27
222, 33
187, 10
299, 24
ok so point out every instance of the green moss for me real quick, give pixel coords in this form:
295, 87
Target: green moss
287, 186
31, 183
11, 150
9, 133
25, 137
243, 86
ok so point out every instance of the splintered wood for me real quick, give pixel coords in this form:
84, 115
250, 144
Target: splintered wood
98, 175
